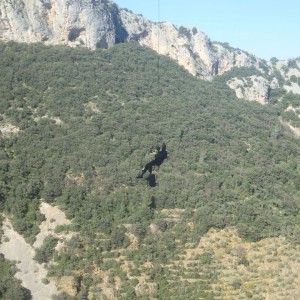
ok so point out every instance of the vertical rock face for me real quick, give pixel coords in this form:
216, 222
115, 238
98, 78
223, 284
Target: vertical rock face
229, 57
72, 22
190, 49
254, 88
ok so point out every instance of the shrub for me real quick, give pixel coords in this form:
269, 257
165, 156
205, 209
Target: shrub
45, 253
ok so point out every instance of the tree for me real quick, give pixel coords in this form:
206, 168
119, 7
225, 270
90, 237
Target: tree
45, 253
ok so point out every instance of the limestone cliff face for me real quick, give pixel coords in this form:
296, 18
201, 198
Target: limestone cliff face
94, 24
190, 47
101, 24
253, 88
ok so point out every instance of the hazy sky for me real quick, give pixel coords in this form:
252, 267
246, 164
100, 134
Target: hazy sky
266, 28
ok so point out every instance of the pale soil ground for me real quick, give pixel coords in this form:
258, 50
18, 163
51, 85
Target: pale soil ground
15, 248
31, 273
54, 217
7, 129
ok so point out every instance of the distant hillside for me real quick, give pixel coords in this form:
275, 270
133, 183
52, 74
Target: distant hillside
102, 24
77, 127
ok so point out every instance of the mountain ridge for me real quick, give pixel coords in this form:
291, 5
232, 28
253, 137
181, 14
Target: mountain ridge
102, 23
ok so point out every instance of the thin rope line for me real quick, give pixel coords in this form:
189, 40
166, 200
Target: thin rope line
158, 44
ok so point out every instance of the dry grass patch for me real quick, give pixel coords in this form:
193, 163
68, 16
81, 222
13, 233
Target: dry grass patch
261, 270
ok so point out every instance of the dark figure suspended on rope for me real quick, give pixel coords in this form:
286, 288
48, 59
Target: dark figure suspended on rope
159, 158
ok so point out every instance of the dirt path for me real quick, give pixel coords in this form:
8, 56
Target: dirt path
14, 247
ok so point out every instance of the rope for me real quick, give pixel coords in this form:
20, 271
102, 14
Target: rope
158, 43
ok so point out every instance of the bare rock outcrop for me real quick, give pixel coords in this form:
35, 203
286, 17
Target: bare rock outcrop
253, 88
94, 23
8, 129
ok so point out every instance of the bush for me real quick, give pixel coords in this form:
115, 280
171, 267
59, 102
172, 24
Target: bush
184, 32
45, 253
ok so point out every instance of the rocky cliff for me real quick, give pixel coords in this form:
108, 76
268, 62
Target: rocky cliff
101, 24
94, 24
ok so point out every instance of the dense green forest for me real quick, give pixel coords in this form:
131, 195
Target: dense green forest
88, 121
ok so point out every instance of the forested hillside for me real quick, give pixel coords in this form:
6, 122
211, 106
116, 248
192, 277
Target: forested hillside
88, 121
